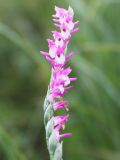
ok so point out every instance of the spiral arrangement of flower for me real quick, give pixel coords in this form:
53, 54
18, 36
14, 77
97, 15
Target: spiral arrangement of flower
60, 80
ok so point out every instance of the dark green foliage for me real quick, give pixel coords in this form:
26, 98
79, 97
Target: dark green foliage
24, 77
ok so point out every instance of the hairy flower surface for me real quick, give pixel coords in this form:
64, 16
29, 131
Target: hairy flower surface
58, 58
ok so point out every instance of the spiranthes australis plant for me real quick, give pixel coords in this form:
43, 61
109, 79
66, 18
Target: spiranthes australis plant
60, 80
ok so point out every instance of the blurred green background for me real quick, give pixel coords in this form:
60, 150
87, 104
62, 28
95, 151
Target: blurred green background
24, 76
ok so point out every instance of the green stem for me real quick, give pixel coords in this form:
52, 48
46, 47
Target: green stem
45, 104
51, 157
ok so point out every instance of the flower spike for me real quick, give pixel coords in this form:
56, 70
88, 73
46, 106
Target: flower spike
60, 80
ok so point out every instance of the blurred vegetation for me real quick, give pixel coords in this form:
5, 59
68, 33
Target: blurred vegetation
24, 76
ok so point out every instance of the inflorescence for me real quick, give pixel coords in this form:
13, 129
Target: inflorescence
57, 56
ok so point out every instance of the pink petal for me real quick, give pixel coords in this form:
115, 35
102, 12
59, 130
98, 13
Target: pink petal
49, 59
76, 23
74, 30
73, 79
44, 53
68, 56
65, 135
